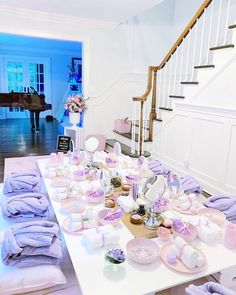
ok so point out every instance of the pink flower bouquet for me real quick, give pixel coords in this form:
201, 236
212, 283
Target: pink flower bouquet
75, 104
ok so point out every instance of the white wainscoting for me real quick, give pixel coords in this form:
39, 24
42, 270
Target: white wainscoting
200, 141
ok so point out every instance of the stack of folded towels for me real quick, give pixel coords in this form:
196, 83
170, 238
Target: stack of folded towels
158, 168
189, 256
207, 289
78, 221
32, 243
206, 229
127, 203
100, 236
21, 182
190, 185
224, 203
25, 207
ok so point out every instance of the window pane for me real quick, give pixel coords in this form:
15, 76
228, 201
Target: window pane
41, 68
41, 78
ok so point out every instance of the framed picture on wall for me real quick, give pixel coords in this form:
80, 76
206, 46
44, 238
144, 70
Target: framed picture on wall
76, 65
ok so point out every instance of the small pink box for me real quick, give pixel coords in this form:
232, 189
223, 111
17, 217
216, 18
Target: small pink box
122, 125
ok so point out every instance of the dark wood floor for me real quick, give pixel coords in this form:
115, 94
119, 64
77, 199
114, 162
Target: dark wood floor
17, 139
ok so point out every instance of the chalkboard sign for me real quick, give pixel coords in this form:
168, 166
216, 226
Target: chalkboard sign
63, 143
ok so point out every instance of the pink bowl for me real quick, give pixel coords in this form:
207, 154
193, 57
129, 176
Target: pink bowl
96, 196
110, 216
110, 162
81, 174
163, 233
188, 238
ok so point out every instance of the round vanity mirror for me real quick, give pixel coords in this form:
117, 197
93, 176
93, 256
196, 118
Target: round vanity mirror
91, 144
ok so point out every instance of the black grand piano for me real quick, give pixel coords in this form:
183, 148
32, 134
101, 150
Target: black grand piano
34, 102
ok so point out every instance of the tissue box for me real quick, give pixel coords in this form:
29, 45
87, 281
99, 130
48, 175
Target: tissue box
122, 125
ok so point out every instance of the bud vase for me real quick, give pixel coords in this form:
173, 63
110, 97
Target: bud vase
74, 118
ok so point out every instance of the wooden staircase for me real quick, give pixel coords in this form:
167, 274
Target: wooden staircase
162, 98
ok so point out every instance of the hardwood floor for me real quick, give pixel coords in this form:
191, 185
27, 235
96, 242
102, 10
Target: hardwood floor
17, 139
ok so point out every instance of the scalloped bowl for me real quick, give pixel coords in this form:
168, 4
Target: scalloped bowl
142, 250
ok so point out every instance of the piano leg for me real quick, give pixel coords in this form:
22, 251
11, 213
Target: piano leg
32, 120
37, 120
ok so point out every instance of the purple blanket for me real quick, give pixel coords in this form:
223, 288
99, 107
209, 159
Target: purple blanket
224, 203
21, 182
32, 243
190, 185
208, 289
25, 207
158, 168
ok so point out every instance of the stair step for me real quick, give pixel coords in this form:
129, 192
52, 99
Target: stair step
232, 26
126, 150
129, 135
222, 47
158, 120
165, 109
177, 96
189, 83
204, 67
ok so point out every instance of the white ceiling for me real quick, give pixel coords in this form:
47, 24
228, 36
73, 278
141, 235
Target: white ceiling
103, 10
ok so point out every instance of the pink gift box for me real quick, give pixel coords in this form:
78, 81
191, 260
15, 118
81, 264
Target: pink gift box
122, 125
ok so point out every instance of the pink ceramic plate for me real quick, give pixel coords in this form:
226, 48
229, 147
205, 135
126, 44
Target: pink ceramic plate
142, 250
60, 181
189, 212
66, 227
73, 205
56, 199
214, 215
179, 266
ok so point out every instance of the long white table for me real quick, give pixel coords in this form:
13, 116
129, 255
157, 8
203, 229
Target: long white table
95, 276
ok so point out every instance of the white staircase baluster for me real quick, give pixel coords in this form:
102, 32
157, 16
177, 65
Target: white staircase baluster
159, 91
218, 24
169, 86
188, 52
202, 37
164, 85
210, 32
133, 128
181, 66
227, 22
176, 54
194, 48
139, 118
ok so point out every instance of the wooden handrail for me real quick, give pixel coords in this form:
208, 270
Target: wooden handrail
149, 85
197, 15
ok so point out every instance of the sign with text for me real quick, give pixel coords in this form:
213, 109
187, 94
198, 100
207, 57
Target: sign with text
63, 143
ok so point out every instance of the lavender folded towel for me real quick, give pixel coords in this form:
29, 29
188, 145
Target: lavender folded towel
208, 289
21, 182
25, 207
32, 243
158, 168
190, 185
224, 203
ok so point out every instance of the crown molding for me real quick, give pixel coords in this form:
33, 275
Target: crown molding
10, 48
60, 18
